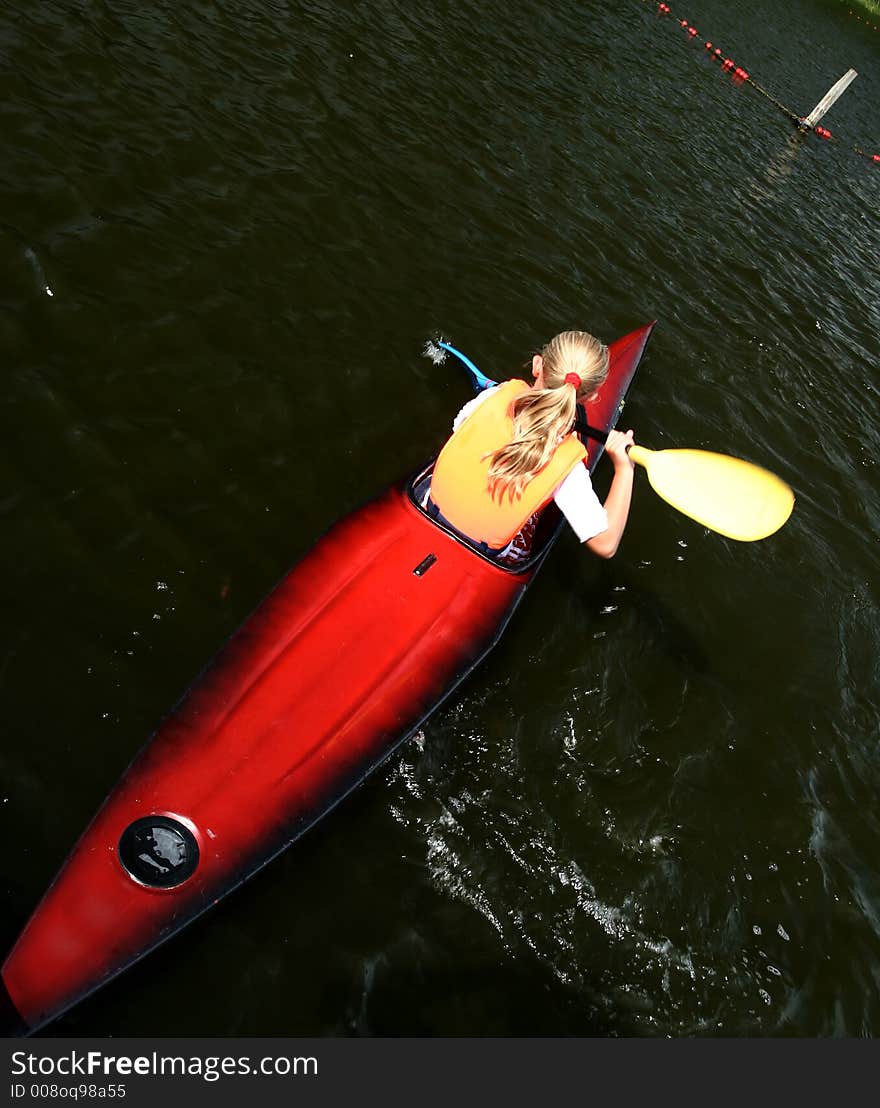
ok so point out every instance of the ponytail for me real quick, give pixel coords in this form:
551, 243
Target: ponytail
574, 365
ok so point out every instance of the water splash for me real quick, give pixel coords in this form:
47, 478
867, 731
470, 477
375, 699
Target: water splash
435, 352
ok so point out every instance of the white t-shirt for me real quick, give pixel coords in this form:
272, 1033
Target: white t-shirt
575, 497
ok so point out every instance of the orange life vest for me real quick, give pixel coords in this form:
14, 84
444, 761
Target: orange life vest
460, 483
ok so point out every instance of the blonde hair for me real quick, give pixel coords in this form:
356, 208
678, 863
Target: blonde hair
542, 417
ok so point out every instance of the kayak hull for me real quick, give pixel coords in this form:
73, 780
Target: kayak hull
343, 661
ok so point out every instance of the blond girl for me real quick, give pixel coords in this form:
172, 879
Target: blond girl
513, 450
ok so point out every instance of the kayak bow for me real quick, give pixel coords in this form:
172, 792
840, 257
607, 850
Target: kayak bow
269, 739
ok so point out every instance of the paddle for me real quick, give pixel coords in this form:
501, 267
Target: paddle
725, 494
735, 498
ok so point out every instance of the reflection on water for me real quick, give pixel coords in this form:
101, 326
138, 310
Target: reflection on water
783, 164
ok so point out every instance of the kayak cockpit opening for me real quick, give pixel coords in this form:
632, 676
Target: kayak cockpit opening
547, 529
159, 852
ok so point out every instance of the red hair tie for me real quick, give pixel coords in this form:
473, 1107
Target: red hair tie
573, 379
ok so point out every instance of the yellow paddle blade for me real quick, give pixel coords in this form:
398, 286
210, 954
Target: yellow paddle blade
727, 495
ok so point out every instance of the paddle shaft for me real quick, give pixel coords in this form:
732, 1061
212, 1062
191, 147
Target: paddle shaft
582, 428
639, 454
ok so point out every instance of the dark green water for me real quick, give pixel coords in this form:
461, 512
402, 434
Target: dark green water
655, 810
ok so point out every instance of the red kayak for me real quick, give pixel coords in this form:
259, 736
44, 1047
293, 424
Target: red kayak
342, 662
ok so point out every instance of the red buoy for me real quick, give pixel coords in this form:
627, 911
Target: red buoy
708, 45
875, 157
693, 31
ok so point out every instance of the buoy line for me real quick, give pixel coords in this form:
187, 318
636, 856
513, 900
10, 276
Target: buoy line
804, 123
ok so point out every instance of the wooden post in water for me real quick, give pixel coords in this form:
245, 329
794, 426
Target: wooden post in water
830, 97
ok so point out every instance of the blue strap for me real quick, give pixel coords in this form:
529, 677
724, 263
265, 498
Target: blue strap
480, 380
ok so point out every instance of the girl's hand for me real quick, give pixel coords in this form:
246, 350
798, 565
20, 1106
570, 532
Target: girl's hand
616, 446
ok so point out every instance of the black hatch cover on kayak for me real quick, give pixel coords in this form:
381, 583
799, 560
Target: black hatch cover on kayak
158, 851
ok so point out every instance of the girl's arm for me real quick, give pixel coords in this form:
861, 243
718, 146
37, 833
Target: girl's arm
617, 503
